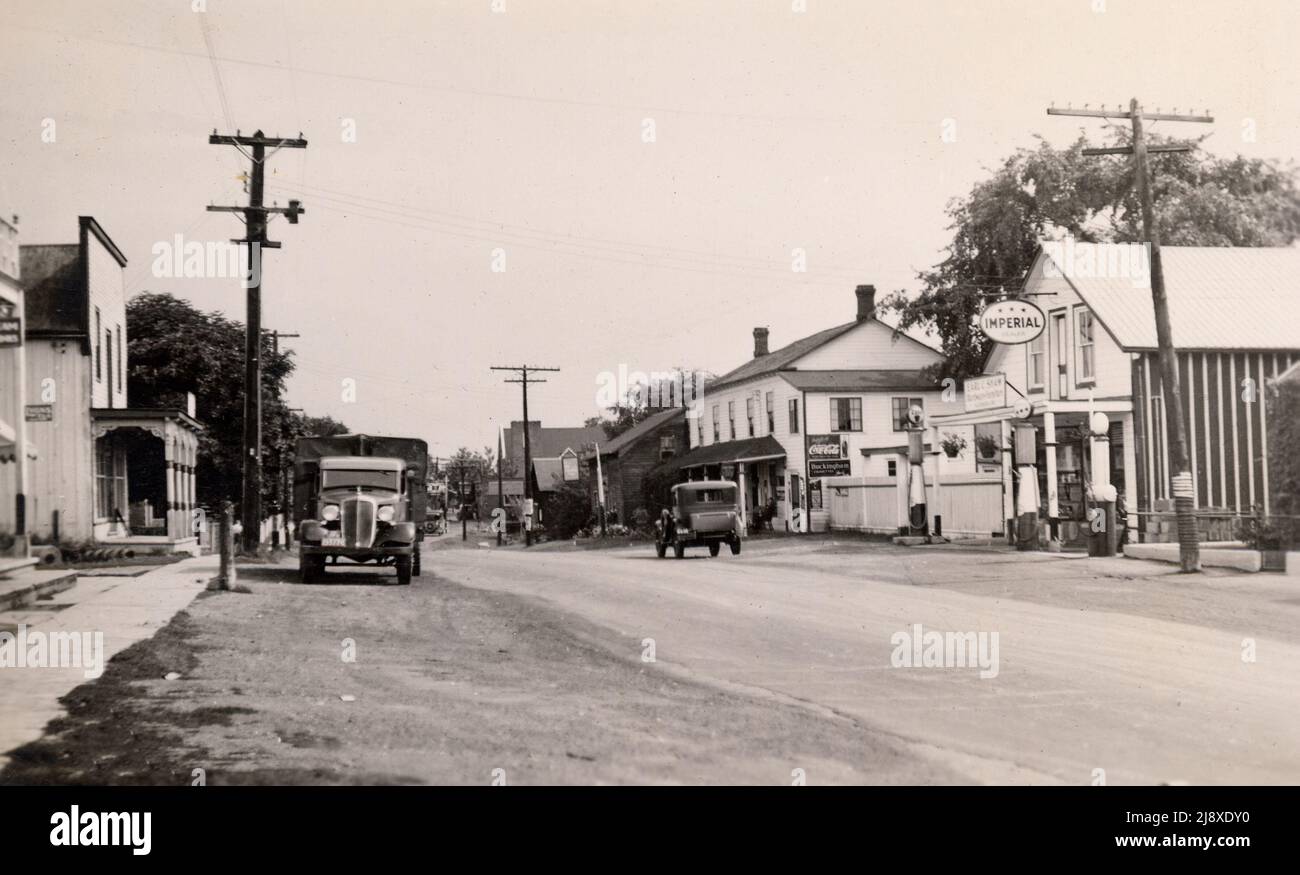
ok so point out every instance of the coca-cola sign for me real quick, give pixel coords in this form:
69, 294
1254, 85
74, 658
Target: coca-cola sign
825, 446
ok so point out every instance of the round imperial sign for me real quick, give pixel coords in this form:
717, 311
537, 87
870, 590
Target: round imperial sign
1012, 321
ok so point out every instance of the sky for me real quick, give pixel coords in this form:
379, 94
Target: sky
645, 173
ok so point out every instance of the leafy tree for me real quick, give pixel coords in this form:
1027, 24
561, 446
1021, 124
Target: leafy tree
569, 509
173, 349
1047, 193
643, 400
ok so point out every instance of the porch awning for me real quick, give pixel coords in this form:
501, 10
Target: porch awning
728, 453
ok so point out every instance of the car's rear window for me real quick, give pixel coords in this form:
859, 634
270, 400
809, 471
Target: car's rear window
712, 496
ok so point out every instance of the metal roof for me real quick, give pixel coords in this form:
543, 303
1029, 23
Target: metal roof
1220, 297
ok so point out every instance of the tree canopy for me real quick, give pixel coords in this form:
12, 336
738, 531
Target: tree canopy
1048, 193
175, 348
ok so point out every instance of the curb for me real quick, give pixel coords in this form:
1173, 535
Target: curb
21, 590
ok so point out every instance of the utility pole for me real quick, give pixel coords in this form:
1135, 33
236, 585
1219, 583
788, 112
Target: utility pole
524, 380
1189, 548
256, 218
501, 495
275, 340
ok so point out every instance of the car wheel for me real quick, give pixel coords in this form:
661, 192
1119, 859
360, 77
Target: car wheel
715, 547
735, 546
415, 561
404, 570
679, 550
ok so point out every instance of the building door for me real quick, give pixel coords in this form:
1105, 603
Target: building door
1060, 355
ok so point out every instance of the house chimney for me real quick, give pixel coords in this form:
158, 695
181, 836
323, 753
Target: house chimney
866, 302
760, 342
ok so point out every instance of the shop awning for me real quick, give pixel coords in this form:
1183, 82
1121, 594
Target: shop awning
729, 453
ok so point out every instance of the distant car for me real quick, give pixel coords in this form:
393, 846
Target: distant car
704, 514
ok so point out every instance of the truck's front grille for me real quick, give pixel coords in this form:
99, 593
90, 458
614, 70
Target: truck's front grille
358, 522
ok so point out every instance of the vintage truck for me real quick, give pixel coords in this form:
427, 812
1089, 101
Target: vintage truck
361, 498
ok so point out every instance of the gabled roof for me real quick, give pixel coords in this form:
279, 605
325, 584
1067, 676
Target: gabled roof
1220, 297
781, 358
551, 442
859, 381
635, 433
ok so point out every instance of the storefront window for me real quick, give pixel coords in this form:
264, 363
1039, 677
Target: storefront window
1038, 361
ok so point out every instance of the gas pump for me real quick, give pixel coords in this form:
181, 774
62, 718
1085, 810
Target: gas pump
917, 513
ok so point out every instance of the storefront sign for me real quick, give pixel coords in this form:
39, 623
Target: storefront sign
985, 393
828, 468
569, 465
1012, 321
825, 446
11, 332
728, 472
40, 413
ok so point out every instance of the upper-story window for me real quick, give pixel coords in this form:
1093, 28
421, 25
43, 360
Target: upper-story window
731, 418
121, 361
749, 414
771, 416
716, 419
899, 408
699, 430
99, 340
1038, 361
846, 414
794, 416
1086, 350
667, 446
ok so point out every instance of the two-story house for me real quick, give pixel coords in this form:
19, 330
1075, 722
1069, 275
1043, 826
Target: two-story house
828, 410
106, 472
1233, 325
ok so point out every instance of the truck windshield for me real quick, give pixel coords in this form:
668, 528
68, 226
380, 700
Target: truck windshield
336, 478
713, 496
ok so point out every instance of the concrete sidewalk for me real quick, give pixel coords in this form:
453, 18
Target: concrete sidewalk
124, 609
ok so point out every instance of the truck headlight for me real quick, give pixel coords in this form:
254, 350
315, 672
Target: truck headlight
386, 514
329, 513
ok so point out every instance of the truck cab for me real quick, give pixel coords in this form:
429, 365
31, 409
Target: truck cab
361, 508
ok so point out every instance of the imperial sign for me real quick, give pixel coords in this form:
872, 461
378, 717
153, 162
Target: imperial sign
1012, 322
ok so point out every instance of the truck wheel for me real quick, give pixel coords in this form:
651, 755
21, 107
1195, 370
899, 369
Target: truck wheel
679, 550
735, 546
415, 561
715, 547
661, 548
403, 570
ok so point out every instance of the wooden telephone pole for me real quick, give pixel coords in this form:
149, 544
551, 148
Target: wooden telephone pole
256, 218
524, 380
1189, 549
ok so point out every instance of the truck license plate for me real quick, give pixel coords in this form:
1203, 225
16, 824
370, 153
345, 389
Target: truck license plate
332, 541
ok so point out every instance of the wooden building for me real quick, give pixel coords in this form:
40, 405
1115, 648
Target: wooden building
106, 472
